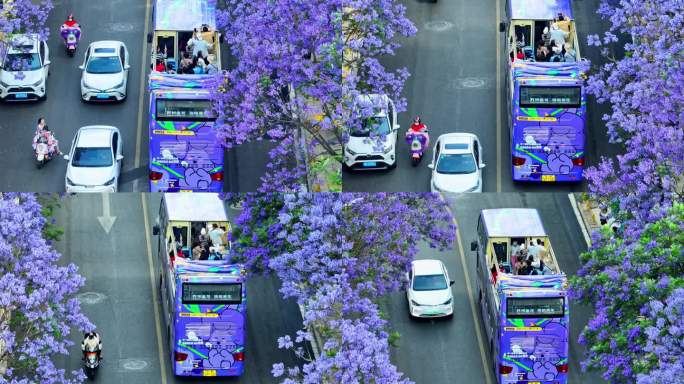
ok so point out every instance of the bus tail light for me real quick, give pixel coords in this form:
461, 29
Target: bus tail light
180, 356
505, 369
578, 161
156, 176
562, 368
239, 356
518, 161
218, 176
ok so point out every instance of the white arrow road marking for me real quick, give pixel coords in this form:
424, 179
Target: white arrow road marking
106, 220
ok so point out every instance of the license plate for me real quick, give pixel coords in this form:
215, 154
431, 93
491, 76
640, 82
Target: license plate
209, 372
548, 177
369, 163
22, 95
102, 96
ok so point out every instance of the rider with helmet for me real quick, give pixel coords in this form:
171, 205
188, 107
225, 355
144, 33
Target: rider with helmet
71, 22
92, 342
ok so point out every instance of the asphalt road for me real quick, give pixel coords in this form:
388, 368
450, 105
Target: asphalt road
117, 296
453, 87
122, 20
447, 351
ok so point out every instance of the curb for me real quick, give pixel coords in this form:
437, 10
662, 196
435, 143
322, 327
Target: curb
587, 214
316, 345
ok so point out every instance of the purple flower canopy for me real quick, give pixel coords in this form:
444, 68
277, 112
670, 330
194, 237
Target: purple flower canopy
539, 9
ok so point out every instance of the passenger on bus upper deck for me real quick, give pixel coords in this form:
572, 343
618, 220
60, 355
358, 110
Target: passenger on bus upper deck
558, 36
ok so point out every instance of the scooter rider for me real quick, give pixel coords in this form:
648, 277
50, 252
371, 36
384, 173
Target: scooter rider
92, 342
45, 136
419, 127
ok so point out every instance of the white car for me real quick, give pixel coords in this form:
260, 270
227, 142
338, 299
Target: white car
429, 290
373, 145
94, 160
105, 71
457, 164
25, 68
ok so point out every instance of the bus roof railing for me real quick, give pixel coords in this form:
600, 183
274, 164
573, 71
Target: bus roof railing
208, 266
184, 15
195, 207
513, 222
509, 282
162, 81
548, 69
539, 9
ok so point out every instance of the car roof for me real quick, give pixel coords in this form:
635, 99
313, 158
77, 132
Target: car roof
24, 41
377, 101
105, 45
427, 267
95, 136
456, 142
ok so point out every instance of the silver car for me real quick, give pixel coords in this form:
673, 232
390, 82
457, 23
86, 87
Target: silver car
94, 160
105, 71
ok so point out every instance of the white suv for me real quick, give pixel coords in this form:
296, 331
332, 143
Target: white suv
25, 68
373, 145
429, 289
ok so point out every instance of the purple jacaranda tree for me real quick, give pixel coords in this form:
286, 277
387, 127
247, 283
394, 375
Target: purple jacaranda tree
336, 254
37, 304
288, 81
646, 91
25, 16
635, 283
629, 276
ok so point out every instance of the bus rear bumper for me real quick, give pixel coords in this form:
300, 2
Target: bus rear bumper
536, 177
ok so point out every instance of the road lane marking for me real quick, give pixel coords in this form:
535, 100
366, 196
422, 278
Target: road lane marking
155, 299
585, 233
464, 265
106, 220
143, 71
498, 97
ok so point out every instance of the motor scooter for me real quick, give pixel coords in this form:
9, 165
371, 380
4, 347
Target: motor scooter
43, 155
71, 36
91, 363
417, 142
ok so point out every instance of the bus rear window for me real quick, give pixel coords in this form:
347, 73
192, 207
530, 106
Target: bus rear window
550, 97
201, 293
534, 307
184, 110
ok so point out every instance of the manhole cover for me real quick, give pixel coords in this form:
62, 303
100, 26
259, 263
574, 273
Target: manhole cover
438, 25
133, 364
469, 82
90, 298
119, 27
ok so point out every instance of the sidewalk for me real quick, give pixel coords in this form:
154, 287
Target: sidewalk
587, 212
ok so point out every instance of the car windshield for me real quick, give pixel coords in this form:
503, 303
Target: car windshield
429, 283
22, 62
92, 157
101, 65
378, 126
456, 163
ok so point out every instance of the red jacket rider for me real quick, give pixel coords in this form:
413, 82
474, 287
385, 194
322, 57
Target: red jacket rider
71, 22
418, 126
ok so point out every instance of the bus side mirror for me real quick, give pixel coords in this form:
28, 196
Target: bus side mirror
473, 245
502, 27
149, 38
155, 230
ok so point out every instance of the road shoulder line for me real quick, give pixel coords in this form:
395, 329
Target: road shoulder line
155, 299
464, 265
498, 97
141, 96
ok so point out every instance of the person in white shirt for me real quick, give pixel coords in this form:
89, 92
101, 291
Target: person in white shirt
533, 251
216, 234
